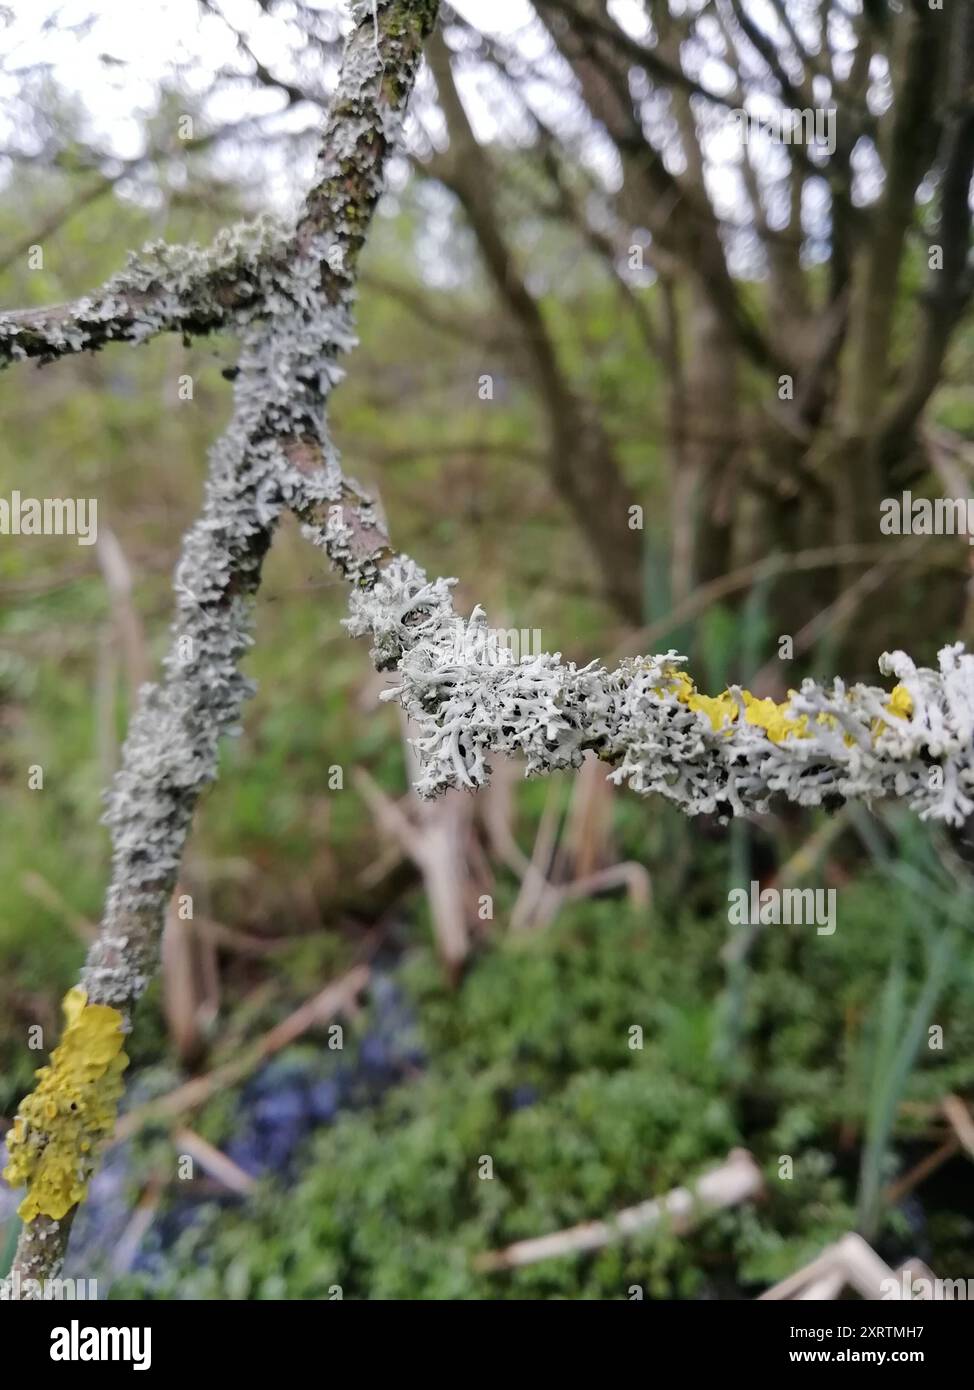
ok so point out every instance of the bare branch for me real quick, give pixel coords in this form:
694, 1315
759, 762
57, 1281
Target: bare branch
737, 1180
581, 459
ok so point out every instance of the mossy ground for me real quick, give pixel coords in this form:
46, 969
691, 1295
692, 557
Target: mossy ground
529, 1063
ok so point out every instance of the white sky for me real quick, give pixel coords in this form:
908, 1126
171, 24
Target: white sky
150, 38
110, 57
113, 67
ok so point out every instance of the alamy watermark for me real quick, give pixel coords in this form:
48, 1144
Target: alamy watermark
475, 644
77, 1343
757, 906
811, 125
909, 1287
926, 516
50, 516
15, 1288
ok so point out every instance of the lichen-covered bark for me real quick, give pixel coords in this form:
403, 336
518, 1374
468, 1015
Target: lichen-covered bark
646, 720
293, 318
727, 754
53, 1142
164, 288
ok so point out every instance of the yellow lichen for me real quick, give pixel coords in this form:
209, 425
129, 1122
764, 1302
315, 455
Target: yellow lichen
773, 719
59, 1126
722, 710
900, 702
719, 709
678, 683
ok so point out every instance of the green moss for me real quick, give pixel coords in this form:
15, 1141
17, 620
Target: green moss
529, 1063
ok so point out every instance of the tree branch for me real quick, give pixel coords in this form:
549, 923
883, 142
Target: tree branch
183, 289
581, 459
949, 287
275, 453
917, 75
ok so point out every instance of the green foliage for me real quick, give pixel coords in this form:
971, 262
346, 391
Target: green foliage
389, 1203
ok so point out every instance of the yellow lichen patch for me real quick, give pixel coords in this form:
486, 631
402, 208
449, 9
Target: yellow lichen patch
678, 683
71, 1109
773, 718
900, 702
719, 709
723, 709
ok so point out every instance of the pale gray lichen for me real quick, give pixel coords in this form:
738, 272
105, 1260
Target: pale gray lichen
163, 288
847, 743
293, 321
286, 369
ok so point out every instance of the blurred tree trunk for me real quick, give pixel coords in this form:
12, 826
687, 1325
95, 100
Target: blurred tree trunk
581, 458
796, 399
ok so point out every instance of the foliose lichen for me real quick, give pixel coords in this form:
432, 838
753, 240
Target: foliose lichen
294, 324
724, 754
163, 288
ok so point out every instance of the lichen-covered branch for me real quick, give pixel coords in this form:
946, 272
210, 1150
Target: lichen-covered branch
164, 288
275, 453
82, 1086
726, 754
